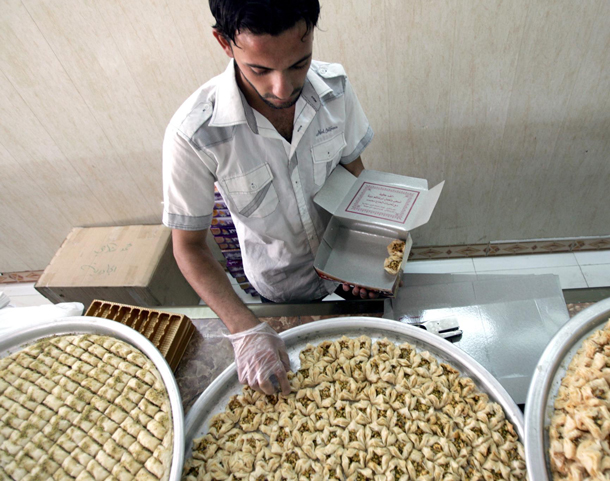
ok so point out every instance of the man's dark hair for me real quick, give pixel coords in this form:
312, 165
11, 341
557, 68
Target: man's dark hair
259, 17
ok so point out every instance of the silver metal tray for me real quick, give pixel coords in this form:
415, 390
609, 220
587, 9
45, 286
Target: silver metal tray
547, 378
15, 339
214, 399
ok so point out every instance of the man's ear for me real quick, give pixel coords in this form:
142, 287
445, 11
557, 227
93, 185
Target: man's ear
224, 43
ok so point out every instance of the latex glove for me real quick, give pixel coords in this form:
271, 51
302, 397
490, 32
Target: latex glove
260, 354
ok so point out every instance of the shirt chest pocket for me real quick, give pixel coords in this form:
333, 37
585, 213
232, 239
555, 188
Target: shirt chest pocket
252, 194
325, 156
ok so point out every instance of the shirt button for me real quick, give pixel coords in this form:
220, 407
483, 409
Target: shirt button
322, 70
253, 185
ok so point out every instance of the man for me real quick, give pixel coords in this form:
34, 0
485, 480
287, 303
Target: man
268, 132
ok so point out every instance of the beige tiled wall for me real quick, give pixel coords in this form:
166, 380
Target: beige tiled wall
506, 101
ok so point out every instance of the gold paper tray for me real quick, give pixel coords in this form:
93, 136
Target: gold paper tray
170, 333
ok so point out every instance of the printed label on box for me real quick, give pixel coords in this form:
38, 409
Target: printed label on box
232, 255
383, 202
234, 265
224, 231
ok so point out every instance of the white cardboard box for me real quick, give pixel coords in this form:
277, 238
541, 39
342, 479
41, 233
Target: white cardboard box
368, 212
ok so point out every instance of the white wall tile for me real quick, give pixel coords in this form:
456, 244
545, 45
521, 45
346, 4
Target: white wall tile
524, 262
597, 275
19, 289
29, 301
570, 277
445, 266
593, 257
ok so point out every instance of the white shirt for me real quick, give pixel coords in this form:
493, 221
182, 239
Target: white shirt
267, 183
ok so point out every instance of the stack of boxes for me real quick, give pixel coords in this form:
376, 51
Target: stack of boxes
225, 235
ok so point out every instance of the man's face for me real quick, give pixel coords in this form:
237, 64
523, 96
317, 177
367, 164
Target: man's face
272, 69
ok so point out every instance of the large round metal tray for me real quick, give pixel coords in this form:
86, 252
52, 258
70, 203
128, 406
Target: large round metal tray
214, 399
15, 339
547, 378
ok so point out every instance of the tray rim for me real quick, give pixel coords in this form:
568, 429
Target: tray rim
15, 339
492, 385
547, 376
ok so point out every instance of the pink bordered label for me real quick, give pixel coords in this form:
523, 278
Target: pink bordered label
383, 202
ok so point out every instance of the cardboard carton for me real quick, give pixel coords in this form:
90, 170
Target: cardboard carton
127, 264
368, 212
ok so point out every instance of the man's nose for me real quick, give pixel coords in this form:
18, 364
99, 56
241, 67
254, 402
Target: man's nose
283, 87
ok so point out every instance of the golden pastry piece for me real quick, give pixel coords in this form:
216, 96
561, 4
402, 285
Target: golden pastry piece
85, 407
396, 248
362, 410
392, 265
580, 425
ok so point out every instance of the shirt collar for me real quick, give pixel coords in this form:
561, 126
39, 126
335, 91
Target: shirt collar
231, 107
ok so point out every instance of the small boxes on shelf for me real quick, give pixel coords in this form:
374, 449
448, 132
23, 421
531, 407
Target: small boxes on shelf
225, 234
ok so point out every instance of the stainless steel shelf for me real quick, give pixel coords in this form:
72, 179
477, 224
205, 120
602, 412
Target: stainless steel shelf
368, 306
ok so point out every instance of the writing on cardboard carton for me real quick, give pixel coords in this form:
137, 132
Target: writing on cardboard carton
96, 271
111, 247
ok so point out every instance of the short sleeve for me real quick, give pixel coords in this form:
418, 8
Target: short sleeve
358, 132
188, 184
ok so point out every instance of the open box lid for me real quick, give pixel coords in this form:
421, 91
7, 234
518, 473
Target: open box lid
397, 202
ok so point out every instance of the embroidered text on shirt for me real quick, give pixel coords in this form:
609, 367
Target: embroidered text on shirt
326, 130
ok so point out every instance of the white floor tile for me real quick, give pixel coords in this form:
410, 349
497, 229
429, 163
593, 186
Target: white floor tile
19, 289
29, 301
484, 264
570, 277
593, 257
442, 266
597, 275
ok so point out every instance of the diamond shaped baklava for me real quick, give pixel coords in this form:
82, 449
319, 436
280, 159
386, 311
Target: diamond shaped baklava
83, 407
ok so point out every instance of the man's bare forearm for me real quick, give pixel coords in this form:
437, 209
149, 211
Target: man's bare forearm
208, 278
355, 167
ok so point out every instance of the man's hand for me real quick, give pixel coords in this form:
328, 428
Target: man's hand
361, 292
259, 351
260, 354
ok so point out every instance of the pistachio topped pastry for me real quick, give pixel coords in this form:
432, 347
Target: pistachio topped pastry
362, 410
396, 250
392, 265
